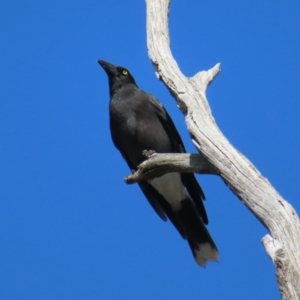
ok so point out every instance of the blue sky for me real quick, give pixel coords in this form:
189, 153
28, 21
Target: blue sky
70, 228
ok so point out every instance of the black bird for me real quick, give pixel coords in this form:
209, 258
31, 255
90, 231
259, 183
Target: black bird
138, 121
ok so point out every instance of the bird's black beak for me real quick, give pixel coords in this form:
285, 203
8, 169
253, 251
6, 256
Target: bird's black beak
109, 68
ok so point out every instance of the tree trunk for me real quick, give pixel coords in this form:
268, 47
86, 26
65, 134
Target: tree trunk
245, 181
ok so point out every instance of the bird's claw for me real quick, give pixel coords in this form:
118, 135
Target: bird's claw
148, 153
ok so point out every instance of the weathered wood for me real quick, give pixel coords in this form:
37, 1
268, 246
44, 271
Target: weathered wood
255, 191
160, 164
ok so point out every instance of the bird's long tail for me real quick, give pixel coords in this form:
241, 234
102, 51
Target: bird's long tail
198, 237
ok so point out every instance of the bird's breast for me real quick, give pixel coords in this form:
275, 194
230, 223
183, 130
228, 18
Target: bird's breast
135, 127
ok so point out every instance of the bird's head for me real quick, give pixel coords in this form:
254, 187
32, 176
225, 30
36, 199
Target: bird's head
118, 76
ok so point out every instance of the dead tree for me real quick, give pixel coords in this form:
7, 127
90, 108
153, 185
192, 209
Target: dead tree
219, 157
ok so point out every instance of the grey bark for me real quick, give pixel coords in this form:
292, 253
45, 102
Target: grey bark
160, 164
255, 191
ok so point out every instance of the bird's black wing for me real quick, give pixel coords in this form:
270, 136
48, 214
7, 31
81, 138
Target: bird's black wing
152, 196
188, 179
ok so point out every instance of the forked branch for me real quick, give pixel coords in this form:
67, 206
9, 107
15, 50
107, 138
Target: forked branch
283, 243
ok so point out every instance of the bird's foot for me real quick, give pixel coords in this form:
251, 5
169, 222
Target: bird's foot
148, 153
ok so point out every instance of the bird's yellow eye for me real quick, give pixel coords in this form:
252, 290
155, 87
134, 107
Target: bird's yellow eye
125, 72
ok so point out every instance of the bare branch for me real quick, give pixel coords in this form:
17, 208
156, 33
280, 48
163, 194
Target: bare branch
237, 171
160, 164
287, 278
